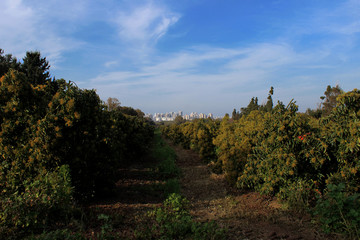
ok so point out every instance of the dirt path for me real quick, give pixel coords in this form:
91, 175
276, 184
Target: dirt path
135, 195
247, 215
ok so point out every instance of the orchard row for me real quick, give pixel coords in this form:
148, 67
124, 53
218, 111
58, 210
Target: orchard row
57, 143
279, 151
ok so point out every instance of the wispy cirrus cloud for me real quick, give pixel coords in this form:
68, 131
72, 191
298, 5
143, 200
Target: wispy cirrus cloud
28, 26
238, 74
340, 21
16, 24
143, 25
344, 20
110, 64
117, 45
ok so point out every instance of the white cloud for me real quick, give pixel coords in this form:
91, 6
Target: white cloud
266, 56
194, 76
16, 25
145, 24
343, 20
240, 74
350, 28
192, 58
203, 76
110, 64
25, 27
117, 77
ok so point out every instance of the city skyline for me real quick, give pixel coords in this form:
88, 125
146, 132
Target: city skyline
170, 116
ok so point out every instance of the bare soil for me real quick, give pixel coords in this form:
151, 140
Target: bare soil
246, 215
137, 192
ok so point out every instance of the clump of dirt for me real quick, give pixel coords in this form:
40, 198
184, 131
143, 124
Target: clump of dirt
246, 215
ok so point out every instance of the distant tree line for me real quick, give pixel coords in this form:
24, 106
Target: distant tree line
254, 105
329, 102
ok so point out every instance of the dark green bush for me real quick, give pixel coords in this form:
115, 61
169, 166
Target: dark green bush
173, 221
339, 211
44, 201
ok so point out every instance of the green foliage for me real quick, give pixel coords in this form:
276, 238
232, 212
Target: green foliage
301, 195
282, 152
57, 142
330, 99
252, 106
6, 62
112, 104
173, 221
179, 120
196, 135
235, 115
317, 113
166, 168
235, 142
106, 232
59, 234
44, 200
171, 186
166, 157
276, 161
340, 140
269, 104
35, 68
339, 212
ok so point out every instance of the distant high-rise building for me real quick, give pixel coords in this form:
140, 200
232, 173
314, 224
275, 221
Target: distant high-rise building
170, 116
202, 115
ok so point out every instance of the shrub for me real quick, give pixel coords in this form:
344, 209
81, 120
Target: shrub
45, 201
235, 142
173, 221
171, 186
59, 234
197, 135
280, 151
57, 141
339, 212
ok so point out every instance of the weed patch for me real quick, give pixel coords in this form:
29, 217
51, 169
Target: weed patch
166, 157
339, 212
173, 221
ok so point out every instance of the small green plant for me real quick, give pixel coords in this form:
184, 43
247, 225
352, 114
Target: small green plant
107, 228
166, 157
298, 195
45, 201
168, 168
173, 221
171, 186
59, 234
339, 212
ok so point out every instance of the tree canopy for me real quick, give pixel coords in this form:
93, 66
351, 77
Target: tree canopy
329, 100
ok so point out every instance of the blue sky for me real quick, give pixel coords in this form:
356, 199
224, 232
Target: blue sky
192, 55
